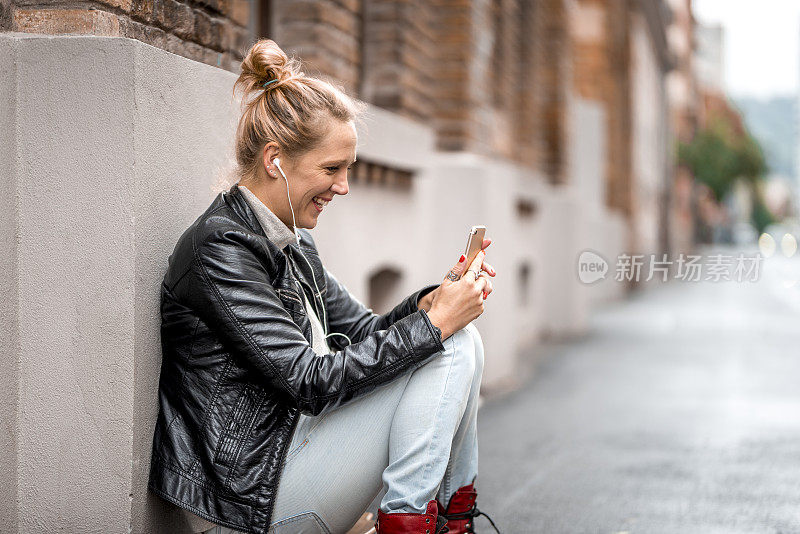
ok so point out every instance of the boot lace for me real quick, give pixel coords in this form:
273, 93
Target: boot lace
441, 525
471, 515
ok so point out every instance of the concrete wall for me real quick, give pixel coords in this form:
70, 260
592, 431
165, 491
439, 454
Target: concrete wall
188, 107
649, 140
451, 192
73, 324
9, 326
601, 230
110, 149
112, 153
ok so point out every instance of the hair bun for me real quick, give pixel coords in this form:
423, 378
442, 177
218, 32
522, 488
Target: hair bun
267, 62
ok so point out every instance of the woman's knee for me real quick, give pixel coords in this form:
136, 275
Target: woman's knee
478, 344
463, 350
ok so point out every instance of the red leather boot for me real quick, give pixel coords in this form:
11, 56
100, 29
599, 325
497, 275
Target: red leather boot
461, 511
431, 522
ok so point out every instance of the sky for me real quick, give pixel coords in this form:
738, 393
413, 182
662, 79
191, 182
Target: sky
762, 44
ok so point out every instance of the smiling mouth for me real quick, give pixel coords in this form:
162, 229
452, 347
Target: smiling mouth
319, 203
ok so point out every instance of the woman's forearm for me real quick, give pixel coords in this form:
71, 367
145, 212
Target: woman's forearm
426, 301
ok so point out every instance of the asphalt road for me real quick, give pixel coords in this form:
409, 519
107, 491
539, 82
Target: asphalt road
678, 412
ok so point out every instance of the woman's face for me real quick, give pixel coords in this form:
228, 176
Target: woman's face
317, 176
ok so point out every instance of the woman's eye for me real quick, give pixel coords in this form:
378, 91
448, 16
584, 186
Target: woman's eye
334, 170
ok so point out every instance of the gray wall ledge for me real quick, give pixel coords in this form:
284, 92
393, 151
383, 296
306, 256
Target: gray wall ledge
109, 149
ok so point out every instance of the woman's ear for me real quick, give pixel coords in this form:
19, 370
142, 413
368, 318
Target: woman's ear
271, 151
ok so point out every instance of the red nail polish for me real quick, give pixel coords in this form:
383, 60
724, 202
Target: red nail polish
462, 258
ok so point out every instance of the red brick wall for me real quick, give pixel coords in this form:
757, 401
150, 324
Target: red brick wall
528, 126
602, 73
620, 179
325, 34
211, 31
479, 47
491, 76
552, 72
399, 57
503, 113
6, 15
454, 43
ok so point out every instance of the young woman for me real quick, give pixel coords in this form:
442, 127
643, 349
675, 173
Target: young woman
285, 404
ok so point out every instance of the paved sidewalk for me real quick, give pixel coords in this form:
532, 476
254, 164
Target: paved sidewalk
679, 412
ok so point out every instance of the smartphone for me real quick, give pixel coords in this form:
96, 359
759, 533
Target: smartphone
474, 242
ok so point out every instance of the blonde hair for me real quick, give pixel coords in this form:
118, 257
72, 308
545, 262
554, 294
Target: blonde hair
294, 110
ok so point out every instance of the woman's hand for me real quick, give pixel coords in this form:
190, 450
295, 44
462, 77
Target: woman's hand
455, 303
488, 269
426, 301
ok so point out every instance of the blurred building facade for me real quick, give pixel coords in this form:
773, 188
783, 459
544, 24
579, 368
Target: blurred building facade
581, 98
682, 88
710, 60
552, 122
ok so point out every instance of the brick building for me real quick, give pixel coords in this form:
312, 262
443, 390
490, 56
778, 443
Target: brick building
685, 106
502, 97
546, 120
493, 77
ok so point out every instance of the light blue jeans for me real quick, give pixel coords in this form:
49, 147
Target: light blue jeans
414, 439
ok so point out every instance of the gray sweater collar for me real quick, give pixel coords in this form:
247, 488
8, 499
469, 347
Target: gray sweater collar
273, 227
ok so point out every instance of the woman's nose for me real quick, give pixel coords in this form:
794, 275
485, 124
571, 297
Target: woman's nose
340, 186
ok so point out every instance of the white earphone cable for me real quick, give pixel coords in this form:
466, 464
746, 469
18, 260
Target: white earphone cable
277, 163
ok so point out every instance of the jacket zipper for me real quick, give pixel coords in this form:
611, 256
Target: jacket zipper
288, 442
303, 283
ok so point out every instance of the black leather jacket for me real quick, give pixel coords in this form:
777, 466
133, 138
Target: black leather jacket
238, 368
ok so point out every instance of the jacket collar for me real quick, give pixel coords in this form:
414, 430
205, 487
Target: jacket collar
273, 227
260, 217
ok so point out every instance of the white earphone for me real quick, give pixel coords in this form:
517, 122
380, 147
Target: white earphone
277, 162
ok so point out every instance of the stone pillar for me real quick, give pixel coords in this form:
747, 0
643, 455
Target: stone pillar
110, 149
9, 288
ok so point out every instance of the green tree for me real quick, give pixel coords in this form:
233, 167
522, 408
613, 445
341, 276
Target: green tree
751, 163
722, 153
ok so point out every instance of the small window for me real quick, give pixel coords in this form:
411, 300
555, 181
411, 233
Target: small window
376, 174
524, 285
526, 209
384, 290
